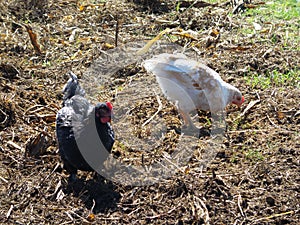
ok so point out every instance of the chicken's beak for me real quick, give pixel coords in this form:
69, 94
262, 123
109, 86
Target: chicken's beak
105, 119
242, 101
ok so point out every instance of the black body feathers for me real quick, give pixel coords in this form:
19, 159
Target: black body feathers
84, 141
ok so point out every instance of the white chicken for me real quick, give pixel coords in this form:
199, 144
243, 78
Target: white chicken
191, 85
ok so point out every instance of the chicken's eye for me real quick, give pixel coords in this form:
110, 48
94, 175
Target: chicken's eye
238, 98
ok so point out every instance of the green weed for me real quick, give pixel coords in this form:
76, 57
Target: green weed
254, 155
283, 15
275, 79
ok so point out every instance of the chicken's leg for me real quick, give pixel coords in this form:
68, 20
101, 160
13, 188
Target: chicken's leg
188, 123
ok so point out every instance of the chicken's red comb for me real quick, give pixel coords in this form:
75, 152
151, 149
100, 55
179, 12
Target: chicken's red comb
109, 105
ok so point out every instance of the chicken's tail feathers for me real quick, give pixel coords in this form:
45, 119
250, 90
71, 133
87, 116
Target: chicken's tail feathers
72, 87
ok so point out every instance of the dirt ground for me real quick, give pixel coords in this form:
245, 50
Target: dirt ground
254, 178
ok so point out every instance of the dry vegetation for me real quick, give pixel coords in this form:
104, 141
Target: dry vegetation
254, 178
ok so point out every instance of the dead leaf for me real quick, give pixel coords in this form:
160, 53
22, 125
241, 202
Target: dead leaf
242, 48
237, 48
280, 115
9, 71
83, 7
108, 46
214, 33
187, 170
37, 145
250, 6
265, 31
91, 217
187, 34
33, 39
49, 118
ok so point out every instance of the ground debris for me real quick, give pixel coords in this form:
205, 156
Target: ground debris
254, 177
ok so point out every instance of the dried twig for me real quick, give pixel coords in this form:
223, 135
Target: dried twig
158, 110
69, 215
110, 218
6, 117
55, 168
239, 205
134, 211
40, 108
3, 179
274, 216
161, 215
83, 219
278, 127
249, 106
9, 211
93, 206
205, 211
117, 31
248, 130
152, 41
172, 163
274, 124
14, 145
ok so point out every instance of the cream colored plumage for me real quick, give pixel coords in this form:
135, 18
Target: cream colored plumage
191, 85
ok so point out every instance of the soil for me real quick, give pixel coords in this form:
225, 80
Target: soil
254, 177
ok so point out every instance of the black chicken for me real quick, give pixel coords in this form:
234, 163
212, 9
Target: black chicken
85, 136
